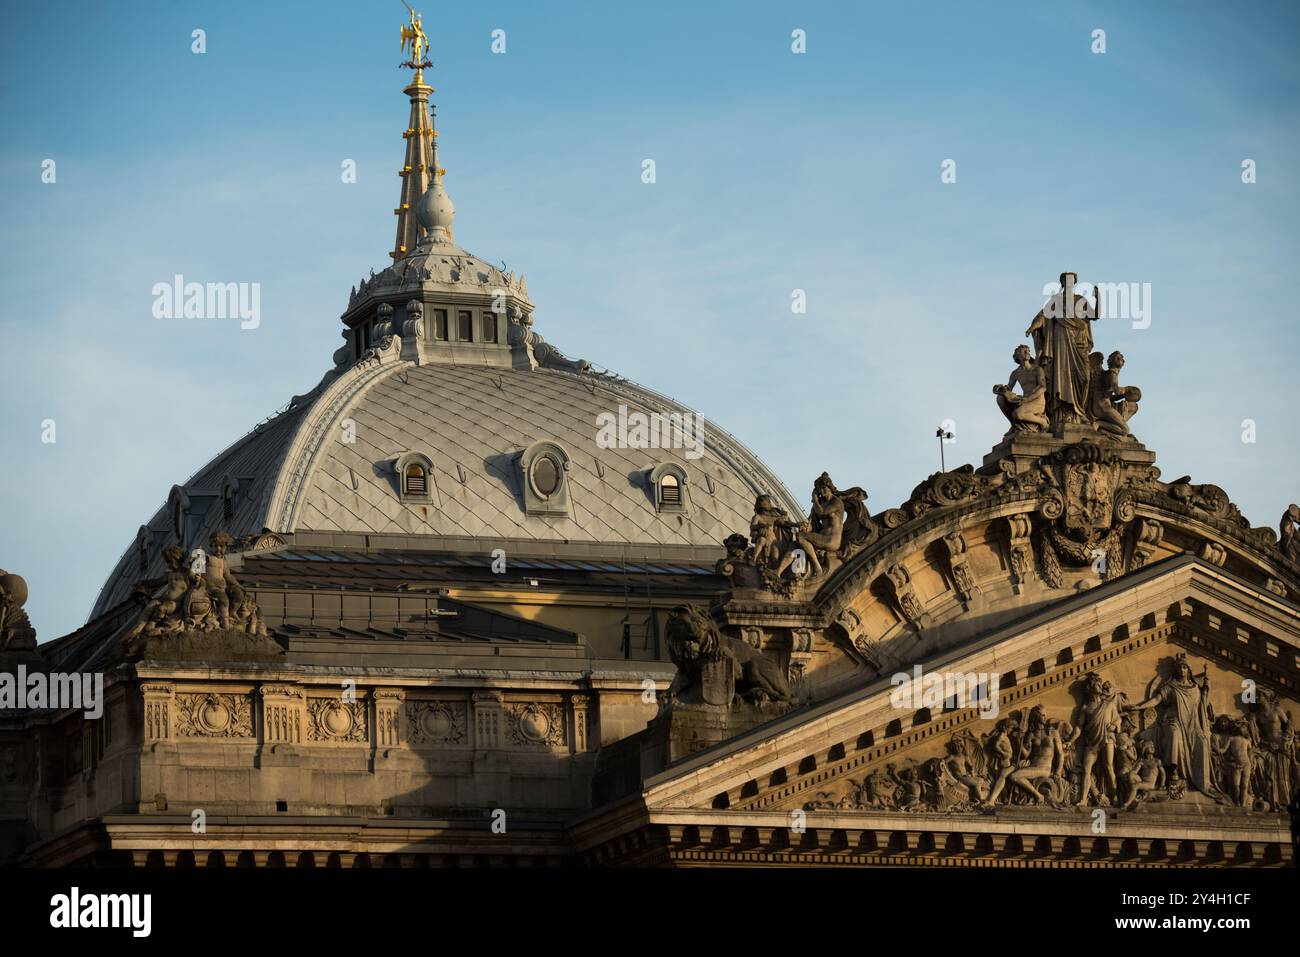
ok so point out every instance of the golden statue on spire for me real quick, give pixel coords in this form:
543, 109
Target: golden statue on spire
414, 36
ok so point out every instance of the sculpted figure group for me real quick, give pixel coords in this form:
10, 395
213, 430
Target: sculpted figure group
780, 552
1063, 382
199, 594
1109, 754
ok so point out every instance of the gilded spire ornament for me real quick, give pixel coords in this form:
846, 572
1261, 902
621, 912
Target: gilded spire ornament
420, 168
413, 35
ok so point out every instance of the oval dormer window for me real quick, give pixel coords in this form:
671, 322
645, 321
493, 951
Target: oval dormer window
546, 476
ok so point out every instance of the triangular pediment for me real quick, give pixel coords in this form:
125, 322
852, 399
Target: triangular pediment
821, 758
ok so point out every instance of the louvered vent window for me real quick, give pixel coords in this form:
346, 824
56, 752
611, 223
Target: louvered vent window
417, 482
670, 490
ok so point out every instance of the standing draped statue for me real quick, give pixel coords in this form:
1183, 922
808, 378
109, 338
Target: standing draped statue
1062, 334
1184, 725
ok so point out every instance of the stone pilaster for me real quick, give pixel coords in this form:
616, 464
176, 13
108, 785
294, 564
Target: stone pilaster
489, 720
581, 705
388, 717
282, 714
158, 710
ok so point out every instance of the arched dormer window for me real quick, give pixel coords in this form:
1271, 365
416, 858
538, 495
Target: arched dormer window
544, 470
415, 482
668, 486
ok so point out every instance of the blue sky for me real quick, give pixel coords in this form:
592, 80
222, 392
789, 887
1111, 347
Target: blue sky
775, 171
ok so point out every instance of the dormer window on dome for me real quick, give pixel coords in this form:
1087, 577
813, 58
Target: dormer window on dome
180, 512
543, 467
229, 489
415, 478
142, 548
668, 485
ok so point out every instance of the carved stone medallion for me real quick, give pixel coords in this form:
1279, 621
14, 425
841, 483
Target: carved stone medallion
332, 719
536, 724
435, 722
214, 716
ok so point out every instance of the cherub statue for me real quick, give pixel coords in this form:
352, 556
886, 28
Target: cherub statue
223, 590
765, 531
1026, 410
159, 614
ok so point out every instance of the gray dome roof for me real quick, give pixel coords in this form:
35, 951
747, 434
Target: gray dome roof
296, 473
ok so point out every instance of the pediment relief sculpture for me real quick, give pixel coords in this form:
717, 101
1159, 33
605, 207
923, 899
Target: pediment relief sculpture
1161, 744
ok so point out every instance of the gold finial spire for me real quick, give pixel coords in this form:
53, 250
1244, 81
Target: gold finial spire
413, 35
421, 166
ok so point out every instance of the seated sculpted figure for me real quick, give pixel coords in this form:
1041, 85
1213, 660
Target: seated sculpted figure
1026, 410
160, 612
1289, 535
823, 532
1112, 404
